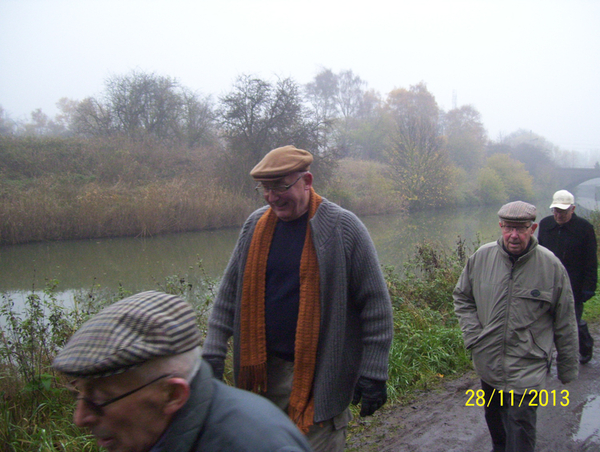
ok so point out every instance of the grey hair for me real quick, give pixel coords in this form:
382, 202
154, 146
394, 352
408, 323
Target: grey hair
184, 365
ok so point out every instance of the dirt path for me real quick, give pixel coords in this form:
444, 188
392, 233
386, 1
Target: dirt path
438, 420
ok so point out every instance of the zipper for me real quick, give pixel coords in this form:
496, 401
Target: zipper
506, 318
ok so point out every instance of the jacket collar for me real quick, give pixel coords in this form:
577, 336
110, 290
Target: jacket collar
568, 225
533, 243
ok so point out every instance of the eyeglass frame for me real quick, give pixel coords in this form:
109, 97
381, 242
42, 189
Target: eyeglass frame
98, 408
515, 228
279, 189
559, 210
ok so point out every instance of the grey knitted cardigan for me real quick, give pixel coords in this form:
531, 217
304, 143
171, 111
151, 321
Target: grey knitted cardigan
356, 315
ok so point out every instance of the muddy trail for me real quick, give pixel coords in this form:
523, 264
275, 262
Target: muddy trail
440, 420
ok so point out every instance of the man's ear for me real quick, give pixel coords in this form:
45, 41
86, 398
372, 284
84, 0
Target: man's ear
308, 180
178, 393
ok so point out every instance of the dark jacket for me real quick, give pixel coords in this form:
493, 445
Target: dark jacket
574, 243
218, 417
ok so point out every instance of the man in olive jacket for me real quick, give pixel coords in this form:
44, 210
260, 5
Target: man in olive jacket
514, 304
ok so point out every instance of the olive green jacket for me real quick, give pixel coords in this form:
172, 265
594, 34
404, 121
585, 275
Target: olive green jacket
513, 314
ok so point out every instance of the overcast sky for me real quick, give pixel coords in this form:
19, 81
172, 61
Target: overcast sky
522, 64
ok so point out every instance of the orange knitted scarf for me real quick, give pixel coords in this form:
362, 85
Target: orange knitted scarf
253, 347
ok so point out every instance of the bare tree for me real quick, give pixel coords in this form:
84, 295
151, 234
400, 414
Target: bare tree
257, 116
139, 104
7, 125
416, 150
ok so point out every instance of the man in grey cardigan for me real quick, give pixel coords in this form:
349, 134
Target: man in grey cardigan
305, 300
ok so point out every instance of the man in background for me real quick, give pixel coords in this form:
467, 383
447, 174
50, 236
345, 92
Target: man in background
573, 240
141, 386
514, 303
305, 299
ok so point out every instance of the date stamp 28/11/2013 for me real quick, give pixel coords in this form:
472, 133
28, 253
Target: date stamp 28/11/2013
531, 397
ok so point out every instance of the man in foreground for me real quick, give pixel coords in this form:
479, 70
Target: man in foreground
305, 299
141, 385
573, 240
514, 302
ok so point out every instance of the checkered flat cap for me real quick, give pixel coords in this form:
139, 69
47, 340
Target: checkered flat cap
518, 212
128, 333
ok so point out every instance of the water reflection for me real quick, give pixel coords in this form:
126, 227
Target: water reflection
589, 428
137, 263
395, 236
134, 262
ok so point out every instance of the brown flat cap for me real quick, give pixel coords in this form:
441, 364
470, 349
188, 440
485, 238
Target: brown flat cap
128, 333
517, 212
280, 162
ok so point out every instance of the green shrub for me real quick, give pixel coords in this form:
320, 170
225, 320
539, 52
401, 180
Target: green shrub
363, 187
427, 343
36, 409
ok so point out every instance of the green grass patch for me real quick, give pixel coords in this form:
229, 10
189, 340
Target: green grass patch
591, 308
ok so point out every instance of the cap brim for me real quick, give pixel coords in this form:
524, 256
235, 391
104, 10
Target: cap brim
269, 178
561, 206
520, 220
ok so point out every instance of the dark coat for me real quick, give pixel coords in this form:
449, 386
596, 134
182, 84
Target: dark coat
574, 243
218, 417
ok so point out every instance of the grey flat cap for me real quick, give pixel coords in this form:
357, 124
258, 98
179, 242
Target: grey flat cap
518, 212
128, 333
280, 162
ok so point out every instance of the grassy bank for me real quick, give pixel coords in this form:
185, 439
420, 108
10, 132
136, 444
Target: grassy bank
36, 409
61, 189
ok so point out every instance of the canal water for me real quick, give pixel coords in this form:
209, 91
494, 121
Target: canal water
139, 264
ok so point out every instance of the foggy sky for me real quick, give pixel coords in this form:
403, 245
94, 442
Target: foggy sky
524, 64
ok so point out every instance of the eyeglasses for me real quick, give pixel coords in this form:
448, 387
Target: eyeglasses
97, 408
557, 210
276, 189
519, 229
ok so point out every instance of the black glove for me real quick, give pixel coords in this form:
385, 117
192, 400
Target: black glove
373, 394
217, 364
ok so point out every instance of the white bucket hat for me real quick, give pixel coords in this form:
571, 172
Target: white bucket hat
562, 199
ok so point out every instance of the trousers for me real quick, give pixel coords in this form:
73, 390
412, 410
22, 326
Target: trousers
512, 427
328, 436
586, 341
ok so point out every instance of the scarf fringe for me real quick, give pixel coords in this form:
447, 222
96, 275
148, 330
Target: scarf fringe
254, 378
303, 418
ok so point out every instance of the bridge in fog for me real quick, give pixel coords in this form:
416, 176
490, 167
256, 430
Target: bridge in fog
572, 177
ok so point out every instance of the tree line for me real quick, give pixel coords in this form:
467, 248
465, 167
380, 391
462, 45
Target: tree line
431, 157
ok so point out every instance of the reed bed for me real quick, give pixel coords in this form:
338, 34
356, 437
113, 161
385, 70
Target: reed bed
53, 210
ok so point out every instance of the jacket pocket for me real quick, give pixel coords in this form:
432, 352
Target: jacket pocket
527, 346
529, 306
